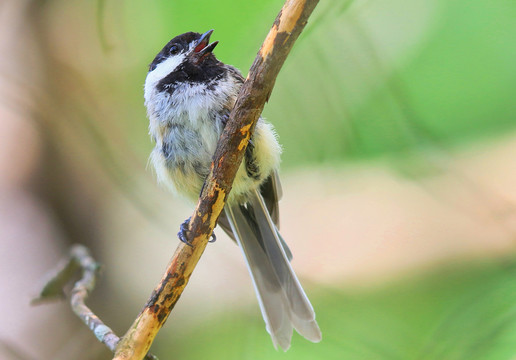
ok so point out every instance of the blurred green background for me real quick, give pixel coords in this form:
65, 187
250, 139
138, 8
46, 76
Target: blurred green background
400, 111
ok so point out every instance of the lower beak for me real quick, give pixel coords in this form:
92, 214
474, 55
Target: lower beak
203, 47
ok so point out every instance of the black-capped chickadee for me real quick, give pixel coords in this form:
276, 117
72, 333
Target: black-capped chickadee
189, 95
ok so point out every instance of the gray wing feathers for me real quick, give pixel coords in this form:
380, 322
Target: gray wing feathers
283, 302
271, 193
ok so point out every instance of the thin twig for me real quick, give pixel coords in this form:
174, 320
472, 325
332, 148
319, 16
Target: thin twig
228, 156
79, 257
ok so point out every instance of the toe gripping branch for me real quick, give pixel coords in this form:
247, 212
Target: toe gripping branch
184, 232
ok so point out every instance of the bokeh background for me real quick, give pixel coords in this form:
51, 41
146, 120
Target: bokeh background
398, 121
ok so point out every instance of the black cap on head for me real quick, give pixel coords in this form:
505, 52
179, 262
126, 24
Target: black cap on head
181, 43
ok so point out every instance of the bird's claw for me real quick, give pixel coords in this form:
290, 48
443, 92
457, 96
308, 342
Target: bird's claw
184, 230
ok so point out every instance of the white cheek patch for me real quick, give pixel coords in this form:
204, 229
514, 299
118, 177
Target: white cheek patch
161, 71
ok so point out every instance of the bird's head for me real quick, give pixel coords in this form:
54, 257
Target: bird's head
187, 58
190, 47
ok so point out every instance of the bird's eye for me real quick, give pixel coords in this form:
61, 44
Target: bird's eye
174, 49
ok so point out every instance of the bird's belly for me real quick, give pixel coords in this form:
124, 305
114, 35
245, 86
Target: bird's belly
182, 176
182, 158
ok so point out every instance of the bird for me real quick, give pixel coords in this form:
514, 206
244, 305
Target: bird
189, 94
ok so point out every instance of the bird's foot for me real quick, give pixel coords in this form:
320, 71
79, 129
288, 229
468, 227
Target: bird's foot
184, 231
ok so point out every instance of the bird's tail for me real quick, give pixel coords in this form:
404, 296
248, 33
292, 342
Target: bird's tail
283, 302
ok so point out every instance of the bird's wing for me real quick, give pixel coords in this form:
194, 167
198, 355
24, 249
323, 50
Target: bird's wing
271, 193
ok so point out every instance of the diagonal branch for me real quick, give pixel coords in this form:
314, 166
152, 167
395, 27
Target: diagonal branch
228, 156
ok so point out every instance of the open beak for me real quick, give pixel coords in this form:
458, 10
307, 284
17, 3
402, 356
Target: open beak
203, 47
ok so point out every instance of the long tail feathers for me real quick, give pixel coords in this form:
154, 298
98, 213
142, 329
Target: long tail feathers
283, 302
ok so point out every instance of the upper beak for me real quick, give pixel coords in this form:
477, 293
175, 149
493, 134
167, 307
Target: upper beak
203, 46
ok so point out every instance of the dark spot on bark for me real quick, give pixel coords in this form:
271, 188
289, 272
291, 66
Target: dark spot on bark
162, 315
281, 39
152, 300
268, 96
278, 19
167, 278
202, 188
157, 292
168, 297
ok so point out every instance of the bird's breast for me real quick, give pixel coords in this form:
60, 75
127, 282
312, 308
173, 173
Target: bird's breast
185, 144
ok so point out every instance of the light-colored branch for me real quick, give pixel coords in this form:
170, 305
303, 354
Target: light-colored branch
79, 257
228, 156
